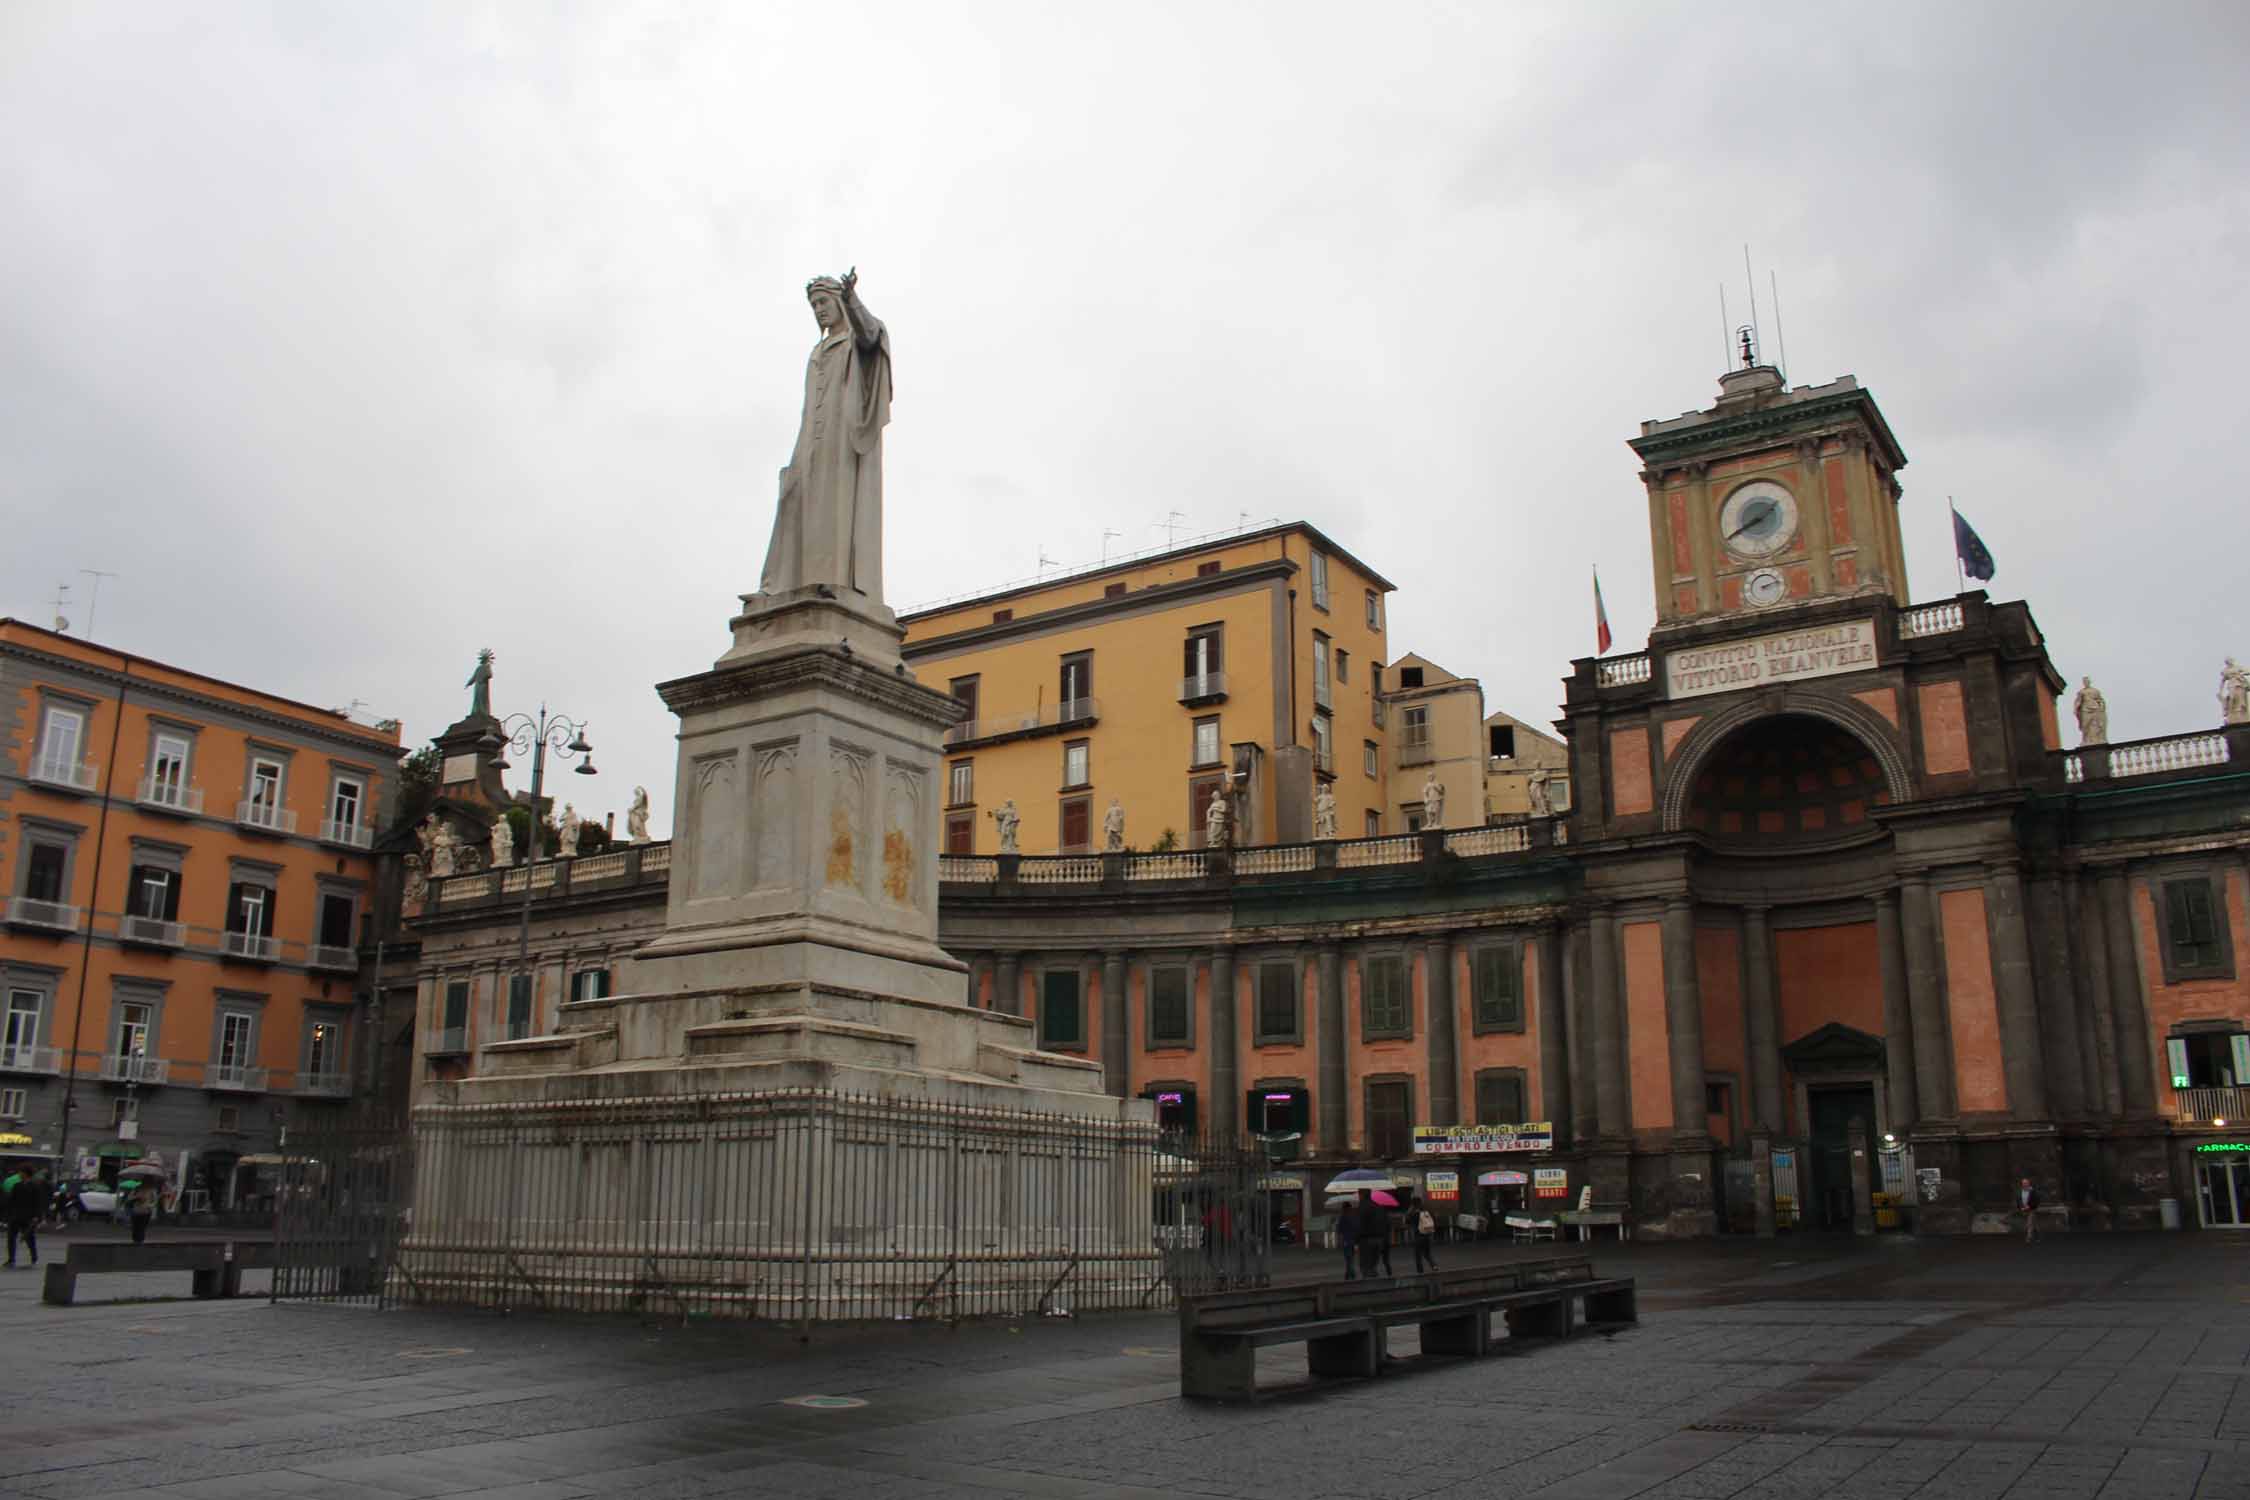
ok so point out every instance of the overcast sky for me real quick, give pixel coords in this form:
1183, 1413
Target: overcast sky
356, 337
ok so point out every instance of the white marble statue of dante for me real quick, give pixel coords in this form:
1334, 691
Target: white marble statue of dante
828, 522
2093, 713
2234, 694
636, 816
1433, 801
1113, 827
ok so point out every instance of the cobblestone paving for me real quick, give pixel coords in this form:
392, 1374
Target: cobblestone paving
2108, 1368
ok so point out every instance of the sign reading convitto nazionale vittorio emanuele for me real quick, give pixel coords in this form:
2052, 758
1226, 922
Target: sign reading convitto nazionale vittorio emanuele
1789, 656
1476, 1140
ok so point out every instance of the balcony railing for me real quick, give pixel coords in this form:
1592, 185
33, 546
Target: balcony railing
150, 932
325, 1085
249, 945
350, 835
1416, 753
2175, 752
70, 775
1930, 619
2211, 1106
321, 956
58, 916
1621, 671
29, 1060
171, 797
1204, 687
1067, 714
1323, 693
447, 1042
235, 1078
265, 817
121, 1069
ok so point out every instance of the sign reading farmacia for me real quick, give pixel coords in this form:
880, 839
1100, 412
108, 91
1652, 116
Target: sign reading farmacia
1789, 656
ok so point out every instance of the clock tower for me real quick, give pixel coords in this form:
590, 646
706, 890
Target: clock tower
1775, 495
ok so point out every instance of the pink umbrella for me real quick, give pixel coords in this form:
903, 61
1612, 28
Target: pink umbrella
1384, 1198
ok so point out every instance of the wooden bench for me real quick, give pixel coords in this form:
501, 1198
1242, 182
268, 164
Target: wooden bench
216, 1266
1344, 1325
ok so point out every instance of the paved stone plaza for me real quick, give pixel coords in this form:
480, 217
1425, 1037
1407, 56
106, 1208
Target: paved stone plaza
2113, 1366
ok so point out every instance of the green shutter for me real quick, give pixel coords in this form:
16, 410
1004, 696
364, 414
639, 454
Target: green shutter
2176, 1050
2241, 1047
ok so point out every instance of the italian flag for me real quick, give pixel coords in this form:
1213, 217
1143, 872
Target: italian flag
1601, 616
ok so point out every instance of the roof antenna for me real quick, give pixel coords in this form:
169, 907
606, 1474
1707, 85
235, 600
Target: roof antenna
1106, 535
1046, 562
1748, 276
1726, 331
1171, 524
94, 602
1779, 336
62, 621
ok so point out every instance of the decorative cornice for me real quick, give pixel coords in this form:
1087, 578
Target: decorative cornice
1729, 429
812, 666
1226, 580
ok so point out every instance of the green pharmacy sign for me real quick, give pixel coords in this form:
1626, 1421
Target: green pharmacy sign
2235, 1148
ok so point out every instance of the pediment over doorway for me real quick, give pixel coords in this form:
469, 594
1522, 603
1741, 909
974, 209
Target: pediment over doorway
1834, 1048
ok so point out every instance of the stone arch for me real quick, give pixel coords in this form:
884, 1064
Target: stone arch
1854, 718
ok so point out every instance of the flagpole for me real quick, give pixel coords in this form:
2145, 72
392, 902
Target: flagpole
1960, 583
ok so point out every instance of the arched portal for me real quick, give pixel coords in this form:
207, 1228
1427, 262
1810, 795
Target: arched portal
1785, 778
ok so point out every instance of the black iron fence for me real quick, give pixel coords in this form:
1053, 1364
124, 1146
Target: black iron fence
792, 1205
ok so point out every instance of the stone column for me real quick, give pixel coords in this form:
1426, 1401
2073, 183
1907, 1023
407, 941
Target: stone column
1683, 1015
2128, 1008
1762, 1021
1444, 1048
1925, 1001
1898, 1016
1007, 984
1578, 1000
1610, 1098
1225, 1117
1117, 1054
1863, 1183
1333, 1045
2094, 995
2021, 1060
1554, 1049
2057, 995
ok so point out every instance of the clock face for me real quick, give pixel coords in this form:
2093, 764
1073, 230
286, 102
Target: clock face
1758, 519
1764, 587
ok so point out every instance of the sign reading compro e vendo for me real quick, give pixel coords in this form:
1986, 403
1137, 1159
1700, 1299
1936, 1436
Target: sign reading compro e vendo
1787, 656
1472, 1140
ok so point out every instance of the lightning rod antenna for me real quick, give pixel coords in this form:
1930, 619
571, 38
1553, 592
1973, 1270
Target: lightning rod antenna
1726, 331
1780, 335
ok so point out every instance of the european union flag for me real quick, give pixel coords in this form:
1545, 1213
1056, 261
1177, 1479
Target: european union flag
1976, 558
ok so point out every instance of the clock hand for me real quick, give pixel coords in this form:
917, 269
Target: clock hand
1752, 514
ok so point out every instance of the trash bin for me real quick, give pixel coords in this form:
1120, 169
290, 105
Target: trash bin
2168, 1211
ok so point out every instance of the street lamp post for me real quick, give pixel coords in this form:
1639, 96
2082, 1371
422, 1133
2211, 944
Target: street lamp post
537, 735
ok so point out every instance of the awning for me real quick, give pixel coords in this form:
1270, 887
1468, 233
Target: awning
1501, 1179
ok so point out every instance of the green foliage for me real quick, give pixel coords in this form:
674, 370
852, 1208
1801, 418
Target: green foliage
417, 786
1165, 843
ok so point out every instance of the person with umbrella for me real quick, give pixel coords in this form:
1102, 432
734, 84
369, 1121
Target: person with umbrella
137, 1183
1374, 1233
1347, 1234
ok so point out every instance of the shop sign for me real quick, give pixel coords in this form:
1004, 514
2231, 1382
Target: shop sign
1442, 1185
13, 1138
2213, 1147
1479, 1140
1550, 1182
1926, 1180
1282, 1182
1174, 1097
1503, 1179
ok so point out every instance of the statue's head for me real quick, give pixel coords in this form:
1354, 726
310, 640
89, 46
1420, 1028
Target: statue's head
2085, 682
826, 294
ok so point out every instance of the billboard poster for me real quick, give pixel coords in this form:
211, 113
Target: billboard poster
1550, 1182
1442, 1186
1482, 1140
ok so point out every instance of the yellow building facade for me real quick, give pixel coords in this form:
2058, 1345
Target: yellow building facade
1247, 664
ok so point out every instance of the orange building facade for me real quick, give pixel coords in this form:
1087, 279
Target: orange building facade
187, 865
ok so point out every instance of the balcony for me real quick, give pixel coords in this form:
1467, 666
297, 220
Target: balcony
1416, 753
265, 817
251, 947
2212, 1107
117, 1069
325, 1085
150, 932
55, 916
65, 775
349, 835
1204, 687
321, 956
29, 1060
1323, 695
452, 1041
170, 797
234, 1078
1048, 718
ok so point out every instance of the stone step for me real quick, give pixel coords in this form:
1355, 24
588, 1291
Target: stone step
801, 1036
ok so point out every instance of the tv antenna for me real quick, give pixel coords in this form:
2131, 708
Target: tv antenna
94, 598
1106, 535
1171, 525
1046, 562
62, 598
1780, 336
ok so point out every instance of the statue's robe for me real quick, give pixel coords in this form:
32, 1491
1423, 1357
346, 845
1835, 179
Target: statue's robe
828, 524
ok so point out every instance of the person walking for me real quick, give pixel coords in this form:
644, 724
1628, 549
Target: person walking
1374, 1236
1424, 1225
26, 1200
1347, 1239
2027, 1203
142, 1208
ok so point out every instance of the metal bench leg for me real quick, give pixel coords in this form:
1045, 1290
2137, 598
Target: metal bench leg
1356, 1354
1218, 1369
61, 1287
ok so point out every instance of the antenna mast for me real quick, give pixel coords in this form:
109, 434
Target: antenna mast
94, 600
62, 591
1726, 331
1779, 334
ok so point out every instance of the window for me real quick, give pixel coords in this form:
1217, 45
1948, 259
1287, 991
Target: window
1322, 693
1280, 1110
134, 1023
1343, 666
2209, 1060
1409, 677
589, 984
1202, 662
324, 1049
12, 1103
1077, 682
964, 691
1374, 610
121, 1110
1205, 749
237, 1040
1062, 1022
1077, 825
960, 833
45, 870
337, 911
1500, 1097
961, 783
19, 1045
265, 786
1374, 824
1414, 727
1002, 616
62, 744
2194, 929
1077, 763
1385, 1006
1371, 760
1175, 1107
344, 802
153, 892
457, 1005
167, 774
1320, 580
230, 1119
1390, 1118
1495, 983
1717, 1100
1113, 590
249, 909
1414, 820
1206, 569
1503, 740
1324, 757
519, 1006
1277, 1003
1170, 1022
